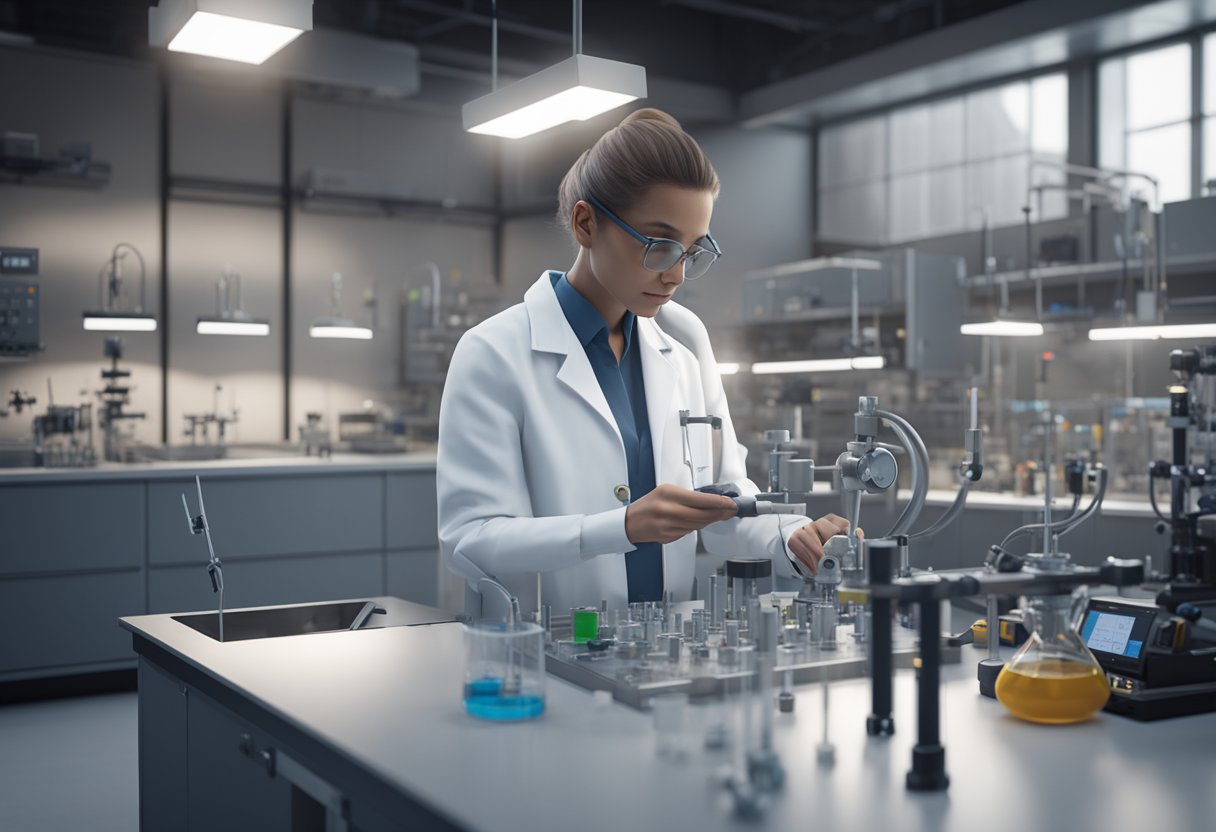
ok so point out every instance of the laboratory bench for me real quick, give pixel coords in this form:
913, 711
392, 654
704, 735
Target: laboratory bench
93, 544
370, 725
97, 543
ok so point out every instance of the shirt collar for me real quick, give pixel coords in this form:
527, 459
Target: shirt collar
584, 318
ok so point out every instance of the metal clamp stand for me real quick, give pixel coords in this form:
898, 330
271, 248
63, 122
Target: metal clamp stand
198, 525
881, 556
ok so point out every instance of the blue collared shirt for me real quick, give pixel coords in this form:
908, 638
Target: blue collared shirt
625, 391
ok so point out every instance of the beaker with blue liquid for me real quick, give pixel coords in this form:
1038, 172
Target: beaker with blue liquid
504, 670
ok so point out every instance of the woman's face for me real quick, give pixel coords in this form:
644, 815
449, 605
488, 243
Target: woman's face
615, 256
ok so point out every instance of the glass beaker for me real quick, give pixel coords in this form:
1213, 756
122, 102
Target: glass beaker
504, 670
1052, 678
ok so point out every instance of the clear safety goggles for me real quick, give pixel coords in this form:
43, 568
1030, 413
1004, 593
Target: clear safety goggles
662, 254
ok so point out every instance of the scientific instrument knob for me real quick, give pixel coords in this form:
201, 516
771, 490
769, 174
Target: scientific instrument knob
877, 470
777, 437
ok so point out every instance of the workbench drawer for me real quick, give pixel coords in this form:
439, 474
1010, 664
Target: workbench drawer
259, 517
61, 527
51, 622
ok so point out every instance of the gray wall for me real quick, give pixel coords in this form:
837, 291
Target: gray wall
762, 217
112, 104
227, 126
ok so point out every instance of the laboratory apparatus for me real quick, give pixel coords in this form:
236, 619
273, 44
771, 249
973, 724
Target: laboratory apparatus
198, 425
215, 569
504, 667
1157, 655
117, 433
63, 435
20, 303
1053, 678
230, 316
314, 437
116, 310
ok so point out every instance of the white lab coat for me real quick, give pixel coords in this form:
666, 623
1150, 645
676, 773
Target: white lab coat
531, 460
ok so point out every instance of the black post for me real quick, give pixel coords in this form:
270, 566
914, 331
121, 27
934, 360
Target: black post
928, 755
286, 188
881, 556
163, 175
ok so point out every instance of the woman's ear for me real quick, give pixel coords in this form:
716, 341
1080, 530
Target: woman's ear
582, 223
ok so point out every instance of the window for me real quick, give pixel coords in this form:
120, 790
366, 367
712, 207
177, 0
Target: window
935, 169
1144, 123
1209, 112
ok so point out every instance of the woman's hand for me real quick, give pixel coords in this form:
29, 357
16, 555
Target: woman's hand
669, 512
807, 542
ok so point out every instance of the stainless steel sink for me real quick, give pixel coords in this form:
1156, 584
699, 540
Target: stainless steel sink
242, 625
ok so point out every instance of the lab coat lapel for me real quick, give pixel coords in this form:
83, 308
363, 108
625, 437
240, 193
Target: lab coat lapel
660, 379
551, 333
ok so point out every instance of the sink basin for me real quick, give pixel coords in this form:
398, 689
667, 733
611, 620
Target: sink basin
241, 625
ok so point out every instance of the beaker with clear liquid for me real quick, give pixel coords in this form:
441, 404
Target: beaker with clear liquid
1053, 678
504, 670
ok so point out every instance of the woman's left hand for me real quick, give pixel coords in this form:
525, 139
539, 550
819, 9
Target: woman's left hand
807, 542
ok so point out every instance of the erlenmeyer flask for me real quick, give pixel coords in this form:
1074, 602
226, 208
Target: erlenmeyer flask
1053, 678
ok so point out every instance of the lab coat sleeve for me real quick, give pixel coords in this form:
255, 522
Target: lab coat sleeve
486, 522
763, 536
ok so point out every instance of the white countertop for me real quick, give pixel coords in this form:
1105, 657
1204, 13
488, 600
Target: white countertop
347, 463
390, 700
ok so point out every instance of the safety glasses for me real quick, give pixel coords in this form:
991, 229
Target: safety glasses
662, 255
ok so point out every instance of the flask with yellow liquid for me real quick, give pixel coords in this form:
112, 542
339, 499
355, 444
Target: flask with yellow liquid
1053, 678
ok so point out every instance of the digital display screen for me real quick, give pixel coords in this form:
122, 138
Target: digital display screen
1109, 632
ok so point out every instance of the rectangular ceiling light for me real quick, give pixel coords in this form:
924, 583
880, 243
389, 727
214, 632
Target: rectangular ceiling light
1152, 333
823, 365
727, 368
249, 31
339, 328
119, 322
574, 90
998, 327
231, 326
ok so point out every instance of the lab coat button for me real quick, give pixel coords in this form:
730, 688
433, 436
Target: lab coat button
622, 493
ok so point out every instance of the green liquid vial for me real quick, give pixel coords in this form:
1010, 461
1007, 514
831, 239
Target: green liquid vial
586, 624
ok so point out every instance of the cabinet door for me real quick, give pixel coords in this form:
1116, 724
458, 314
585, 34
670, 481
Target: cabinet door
413, 574
163, 776
68, 620
229, 790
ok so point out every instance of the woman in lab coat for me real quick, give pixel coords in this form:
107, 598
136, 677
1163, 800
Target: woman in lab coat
560, 446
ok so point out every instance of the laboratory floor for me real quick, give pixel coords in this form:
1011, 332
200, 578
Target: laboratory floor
70, 764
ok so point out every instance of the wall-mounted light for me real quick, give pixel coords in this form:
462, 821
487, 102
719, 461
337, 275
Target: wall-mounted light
822, 365
336, 325
727, 368
575, 89
112, 313
230, 317
249, 31
1152, 333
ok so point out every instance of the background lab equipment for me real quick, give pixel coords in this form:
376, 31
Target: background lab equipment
966, 302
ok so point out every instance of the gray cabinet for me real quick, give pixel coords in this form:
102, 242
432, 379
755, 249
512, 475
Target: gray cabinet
256, 583
261, 516
411, 522
77, 554
49, 528
413, 574
229, 789
54, 622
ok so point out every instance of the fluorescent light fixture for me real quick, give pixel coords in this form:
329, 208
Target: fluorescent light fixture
234, 30
232, 326
727, 368
119, 322
339, 328
1152, 333
1000, 327
823, 365
574, 90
